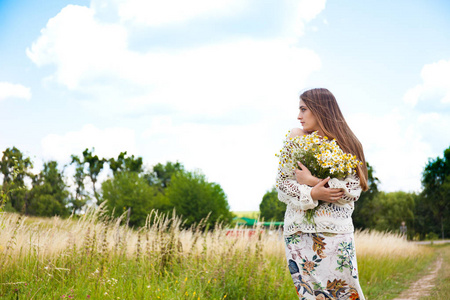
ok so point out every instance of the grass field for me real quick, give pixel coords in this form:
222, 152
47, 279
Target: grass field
442, 289
97, 258
388, 263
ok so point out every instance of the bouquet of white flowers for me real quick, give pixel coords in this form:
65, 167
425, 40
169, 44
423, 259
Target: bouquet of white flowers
322, 157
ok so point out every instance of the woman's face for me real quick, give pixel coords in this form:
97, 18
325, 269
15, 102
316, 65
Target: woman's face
307, 119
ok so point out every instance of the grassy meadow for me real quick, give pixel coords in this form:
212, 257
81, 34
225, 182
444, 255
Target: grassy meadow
95, 257
442, 287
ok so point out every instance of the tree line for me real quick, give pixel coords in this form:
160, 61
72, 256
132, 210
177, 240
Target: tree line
130, 189
426, 214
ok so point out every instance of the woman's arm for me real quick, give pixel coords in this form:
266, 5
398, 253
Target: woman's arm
319, 191
304, 176
290, 191
350, 186
293, 193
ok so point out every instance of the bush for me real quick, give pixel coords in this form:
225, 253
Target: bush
194, 198
127, 190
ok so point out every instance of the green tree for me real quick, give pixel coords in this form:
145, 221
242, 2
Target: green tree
95, 166
125, 164
194, 198
436, 192
49, 196
366, 208
424, 222
81, 197
272, 209
15, 167
128, 190
395, 208
161, 175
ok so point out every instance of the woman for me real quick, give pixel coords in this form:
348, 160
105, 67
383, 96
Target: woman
321, 254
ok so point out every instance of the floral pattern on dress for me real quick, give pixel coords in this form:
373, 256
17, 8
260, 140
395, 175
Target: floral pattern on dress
346, 256
293, 239
323, 266
319, 245
309, 266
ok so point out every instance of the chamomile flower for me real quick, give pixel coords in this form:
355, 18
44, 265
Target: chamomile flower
323, 157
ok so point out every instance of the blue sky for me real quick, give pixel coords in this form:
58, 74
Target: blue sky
215, 85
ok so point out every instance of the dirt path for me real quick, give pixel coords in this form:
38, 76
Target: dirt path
422, 287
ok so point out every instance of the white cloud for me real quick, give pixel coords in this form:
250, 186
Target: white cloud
394, 147
184, 93
435, 85
239, 157
434, 127
412, 95
299, 14
159, 13
107, 142
11, 90
399, 143
308, 10
163, 13
94, 58
81, 47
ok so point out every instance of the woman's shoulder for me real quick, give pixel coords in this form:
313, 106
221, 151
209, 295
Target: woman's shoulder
297, 132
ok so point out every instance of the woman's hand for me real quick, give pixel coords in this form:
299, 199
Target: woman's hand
320, 192
304, 176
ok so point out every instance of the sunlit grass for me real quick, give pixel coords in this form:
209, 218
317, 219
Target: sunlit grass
96, 257
388, 263
441, 291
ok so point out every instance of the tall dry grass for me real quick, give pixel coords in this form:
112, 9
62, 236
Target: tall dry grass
375, 243
52, 236
96, 232
95, 254
388, 263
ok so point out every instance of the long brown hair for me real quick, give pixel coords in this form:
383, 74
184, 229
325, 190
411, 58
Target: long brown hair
324, 107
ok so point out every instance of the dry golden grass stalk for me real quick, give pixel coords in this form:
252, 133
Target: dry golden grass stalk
165, 240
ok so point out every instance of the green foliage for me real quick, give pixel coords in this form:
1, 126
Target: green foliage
49, 196
90, 166
424, 223
128, 190
272, 209
14, 167
436, 192
424, 214
125, 164
194, 198
95, 165
395, 208
81, 196
161, 175
367, 209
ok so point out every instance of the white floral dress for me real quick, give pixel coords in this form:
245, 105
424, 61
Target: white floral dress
320, 255
323, 266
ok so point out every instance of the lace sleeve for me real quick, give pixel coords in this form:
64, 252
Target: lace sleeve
289, 190
350, 185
